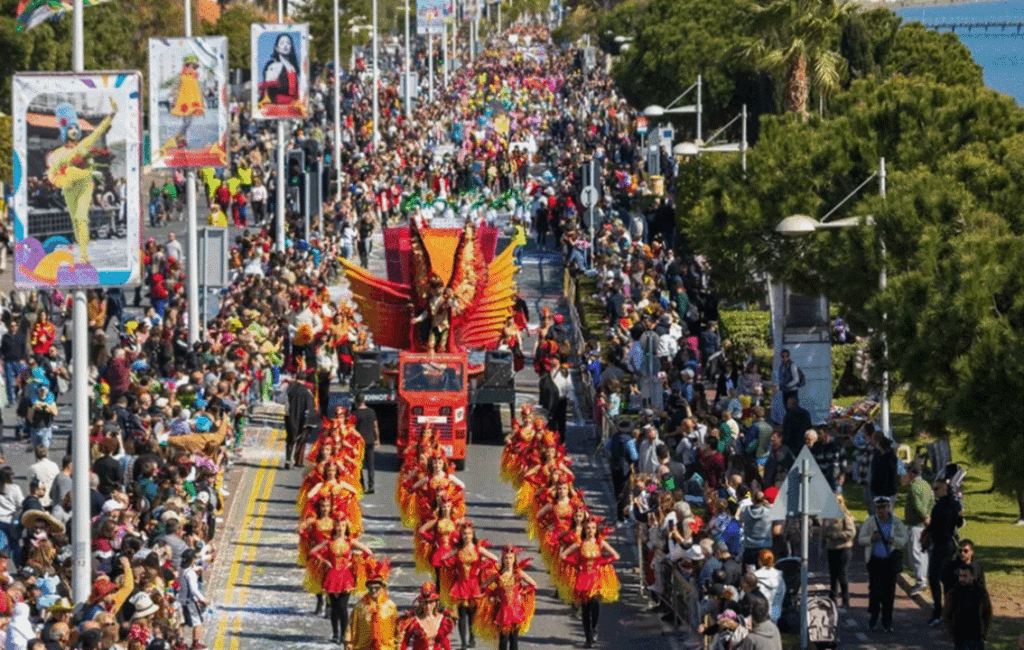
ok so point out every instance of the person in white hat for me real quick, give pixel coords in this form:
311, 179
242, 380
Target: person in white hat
145, 608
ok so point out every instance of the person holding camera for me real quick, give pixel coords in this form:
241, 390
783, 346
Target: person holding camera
883, 537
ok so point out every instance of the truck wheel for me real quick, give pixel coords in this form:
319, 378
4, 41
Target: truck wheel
460, 464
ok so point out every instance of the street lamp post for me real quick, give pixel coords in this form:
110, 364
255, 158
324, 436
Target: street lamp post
655, 110
408, 66
799, 224
376, 84
337, 106
698, 147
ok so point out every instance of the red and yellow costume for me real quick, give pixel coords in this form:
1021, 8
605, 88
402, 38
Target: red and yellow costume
343, 571
434, 544
373, 623
417, 631
465, 570
594, 575
508, 605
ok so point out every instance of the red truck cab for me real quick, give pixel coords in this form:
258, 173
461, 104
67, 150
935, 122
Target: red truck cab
432, 391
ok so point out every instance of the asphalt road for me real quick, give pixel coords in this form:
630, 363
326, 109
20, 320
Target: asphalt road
258, 584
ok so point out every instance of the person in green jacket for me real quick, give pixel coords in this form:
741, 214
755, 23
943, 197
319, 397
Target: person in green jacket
920, 500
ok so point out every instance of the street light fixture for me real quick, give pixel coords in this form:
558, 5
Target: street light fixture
799, 224
698, 146
654, 110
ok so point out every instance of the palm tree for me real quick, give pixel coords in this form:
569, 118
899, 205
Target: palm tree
794, 39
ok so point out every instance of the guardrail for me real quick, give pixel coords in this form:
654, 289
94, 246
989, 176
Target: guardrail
682, 596
588, 392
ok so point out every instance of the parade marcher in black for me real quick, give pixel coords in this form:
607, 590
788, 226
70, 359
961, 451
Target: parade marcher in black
301, 410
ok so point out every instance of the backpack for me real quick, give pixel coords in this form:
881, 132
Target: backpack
801, 379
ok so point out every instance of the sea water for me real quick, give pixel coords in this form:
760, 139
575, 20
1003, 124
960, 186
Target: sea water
999, 52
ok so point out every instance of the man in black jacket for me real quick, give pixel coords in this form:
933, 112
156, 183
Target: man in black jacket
795, 424
622, 457
946, 517
965, 558
968, 612
300, 406
884, 478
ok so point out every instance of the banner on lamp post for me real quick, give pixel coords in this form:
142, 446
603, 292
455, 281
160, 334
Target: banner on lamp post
280, 71
433, 15
77, 171
188, 104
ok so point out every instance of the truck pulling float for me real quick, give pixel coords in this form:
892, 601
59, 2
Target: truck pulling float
434, 319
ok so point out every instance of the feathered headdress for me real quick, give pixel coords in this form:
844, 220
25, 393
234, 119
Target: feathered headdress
377, 570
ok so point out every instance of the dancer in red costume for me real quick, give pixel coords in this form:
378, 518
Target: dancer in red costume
341, 496
507, 608
340, 575
313, 532
557, 540
439, 482
436, 538
466, 567
595, 577
523, 431
428, 626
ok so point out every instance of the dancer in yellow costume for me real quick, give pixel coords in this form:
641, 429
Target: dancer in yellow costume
188, 99
70, 169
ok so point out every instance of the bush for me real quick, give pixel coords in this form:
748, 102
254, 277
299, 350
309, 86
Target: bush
748, 330
845, 379
591, 311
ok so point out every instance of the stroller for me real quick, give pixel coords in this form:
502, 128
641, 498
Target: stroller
822, 622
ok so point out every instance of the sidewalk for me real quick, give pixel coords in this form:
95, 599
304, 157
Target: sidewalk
911, 615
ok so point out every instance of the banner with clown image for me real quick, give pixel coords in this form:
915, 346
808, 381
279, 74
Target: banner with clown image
77, 165
280, 71
188, 103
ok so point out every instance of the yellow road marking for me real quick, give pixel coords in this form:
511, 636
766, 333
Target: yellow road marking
249, 534
243, 591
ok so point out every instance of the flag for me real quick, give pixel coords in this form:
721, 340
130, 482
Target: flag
34, 12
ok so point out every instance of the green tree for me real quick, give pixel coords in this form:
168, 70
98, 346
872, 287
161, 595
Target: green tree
318, 13
957, 337
673, 42
235, 22
6, 150
867, 40
917, 51
798, 39
809, 167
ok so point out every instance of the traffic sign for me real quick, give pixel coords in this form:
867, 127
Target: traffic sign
821, 500
588, 197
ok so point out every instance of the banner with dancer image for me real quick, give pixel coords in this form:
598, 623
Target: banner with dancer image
77, 165
280, 71
433, 15
188, 104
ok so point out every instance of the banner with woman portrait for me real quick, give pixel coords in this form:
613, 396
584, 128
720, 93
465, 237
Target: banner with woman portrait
280, 71
188, 103
77, 166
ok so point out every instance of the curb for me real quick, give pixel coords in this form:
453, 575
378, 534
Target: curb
919, 598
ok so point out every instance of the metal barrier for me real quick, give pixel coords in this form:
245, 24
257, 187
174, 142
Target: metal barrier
588, 393
682, 596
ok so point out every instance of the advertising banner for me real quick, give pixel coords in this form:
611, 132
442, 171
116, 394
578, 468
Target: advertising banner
433, 15
77, 166
280, 71
188, 106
